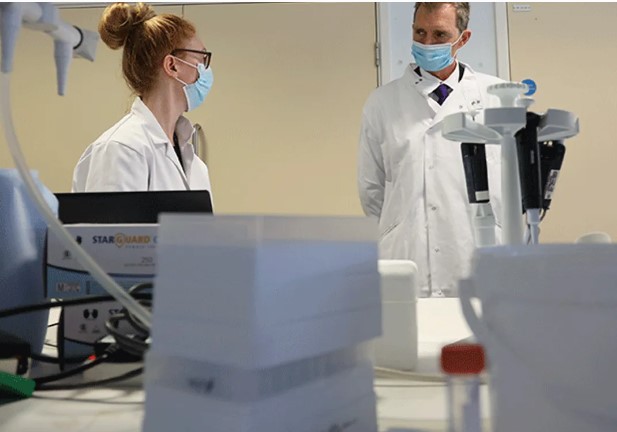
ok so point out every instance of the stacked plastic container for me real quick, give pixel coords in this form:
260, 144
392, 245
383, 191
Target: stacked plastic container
397, 348
260, 324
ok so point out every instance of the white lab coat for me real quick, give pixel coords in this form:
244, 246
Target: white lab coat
136, 155
412, 179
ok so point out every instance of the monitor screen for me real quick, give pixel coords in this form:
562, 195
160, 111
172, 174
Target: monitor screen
129, 207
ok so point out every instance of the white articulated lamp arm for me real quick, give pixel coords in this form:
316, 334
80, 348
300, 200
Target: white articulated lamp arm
69, 41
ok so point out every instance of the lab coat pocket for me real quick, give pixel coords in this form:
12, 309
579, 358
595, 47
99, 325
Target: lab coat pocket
389, 229
390, 214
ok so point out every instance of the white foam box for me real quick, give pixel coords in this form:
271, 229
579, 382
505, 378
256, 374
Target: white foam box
256, 291
343, 401
125, 251
397, 348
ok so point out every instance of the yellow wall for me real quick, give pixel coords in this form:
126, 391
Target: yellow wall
569, 50
282, 120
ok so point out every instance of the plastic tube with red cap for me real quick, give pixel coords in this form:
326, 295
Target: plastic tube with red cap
463, 363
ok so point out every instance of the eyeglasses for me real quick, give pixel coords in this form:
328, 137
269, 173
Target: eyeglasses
207, 54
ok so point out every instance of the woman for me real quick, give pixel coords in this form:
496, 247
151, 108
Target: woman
168, 68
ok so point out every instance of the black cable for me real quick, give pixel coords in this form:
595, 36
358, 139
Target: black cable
140, 287
89, 364
132, 344
136, 323
60, 342
125, 376
136, 347
61, 360
127, 343
76, 397
22, 365
56, 360
128, 349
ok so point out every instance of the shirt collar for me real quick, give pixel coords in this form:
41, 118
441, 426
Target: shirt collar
184, 131
184, 128
452, 81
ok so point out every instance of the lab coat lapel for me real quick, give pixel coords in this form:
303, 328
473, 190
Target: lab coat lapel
465, 98
454, 103
188, 155
423, 87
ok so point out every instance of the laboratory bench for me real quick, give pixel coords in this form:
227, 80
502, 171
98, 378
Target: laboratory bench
403, 405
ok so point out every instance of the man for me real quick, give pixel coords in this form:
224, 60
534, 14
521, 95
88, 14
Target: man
409, 176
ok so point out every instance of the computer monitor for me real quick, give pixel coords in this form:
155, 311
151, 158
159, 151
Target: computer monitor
129, 207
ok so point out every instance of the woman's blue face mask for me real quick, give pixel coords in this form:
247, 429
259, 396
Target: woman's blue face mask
433, 58
196, 93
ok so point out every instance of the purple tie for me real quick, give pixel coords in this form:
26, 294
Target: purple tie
441, 93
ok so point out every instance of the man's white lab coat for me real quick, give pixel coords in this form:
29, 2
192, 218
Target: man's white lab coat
412, 179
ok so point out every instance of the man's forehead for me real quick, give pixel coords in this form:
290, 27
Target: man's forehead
437, 7
444, 14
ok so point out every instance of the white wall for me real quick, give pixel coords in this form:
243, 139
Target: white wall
487, 50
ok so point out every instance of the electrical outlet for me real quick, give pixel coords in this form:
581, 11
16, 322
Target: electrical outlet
85, 324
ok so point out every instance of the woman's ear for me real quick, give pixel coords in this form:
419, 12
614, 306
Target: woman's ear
169, 66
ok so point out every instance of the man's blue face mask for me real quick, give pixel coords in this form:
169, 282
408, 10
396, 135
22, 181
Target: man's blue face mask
196, 93
433, 58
